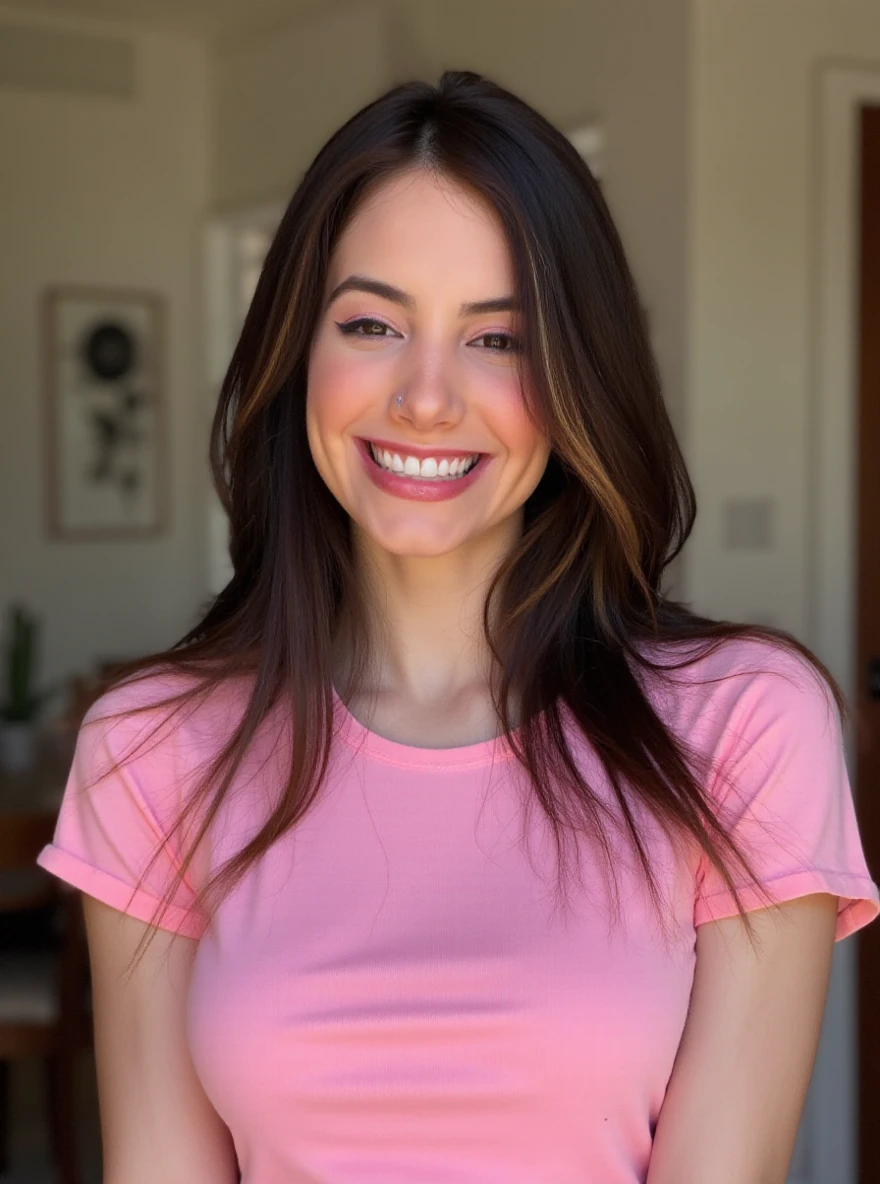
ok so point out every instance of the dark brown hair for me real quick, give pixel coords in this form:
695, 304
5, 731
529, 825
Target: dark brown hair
576, 609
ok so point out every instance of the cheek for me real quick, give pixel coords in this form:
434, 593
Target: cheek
329, 387
325, 395
512, 425
337, 387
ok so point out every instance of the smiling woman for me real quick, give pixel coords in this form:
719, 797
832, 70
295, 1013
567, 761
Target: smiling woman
432, 382
453, 490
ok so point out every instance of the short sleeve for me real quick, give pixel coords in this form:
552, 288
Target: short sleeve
111, 822
784, 795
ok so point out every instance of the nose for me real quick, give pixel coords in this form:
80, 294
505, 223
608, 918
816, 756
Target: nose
428, 395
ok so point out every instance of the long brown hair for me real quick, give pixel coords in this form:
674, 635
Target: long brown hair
576, 608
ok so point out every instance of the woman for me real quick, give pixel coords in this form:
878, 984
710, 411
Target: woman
323, 947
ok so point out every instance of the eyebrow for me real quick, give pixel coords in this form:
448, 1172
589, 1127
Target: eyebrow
362, 283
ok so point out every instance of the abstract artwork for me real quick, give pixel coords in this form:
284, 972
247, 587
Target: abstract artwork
105, 446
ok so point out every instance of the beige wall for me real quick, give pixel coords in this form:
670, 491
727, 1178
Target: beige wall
111, 190
281, 94
748, 409
105, 191
707, 111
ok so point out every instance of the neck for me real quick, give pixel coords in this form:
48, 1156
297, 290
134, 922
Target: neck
425, 618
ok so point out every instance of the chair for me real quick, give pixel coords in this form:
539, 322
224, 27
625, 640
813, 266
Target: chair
44, 991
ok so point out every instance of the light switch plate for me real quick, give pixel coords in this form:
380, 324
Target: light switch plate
748, 523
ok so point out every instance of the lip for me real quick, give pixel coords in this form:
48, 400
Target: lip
421, 452
413, 489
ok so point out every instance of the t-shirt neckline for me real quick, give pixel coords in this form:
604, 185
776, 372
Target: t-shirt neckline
392, 752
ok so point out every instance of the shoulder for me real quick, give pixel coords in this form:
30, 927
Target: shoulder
160, 727
173, 703
734, 668
131, 817
739, 694
140, 696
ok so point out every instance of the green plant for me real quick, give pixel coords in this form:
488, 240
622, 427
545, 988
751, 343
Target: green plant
22, 702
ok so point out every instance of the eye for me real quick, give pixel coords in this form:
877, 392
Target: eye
350, 328
513, 344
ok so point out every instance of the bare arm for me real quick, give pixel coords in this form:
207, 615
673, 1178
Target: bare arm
737, 1089
156, 1121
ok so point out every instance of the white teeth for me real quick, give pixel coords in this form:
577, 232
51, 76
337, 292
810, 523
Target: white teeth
428, 469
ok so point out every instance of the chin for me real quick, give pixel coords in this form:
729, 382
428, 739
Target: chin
417, 550
415, 545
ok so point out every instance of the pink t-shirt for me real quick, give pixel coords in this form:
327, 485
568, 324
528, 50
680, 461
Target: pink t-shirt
385, 998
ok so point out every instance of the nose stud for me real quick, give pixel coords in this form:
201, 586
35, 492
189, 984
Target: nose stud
399, 400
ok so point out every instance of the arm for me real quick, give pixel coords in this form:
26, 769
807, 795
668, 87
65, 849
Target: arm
740, 1078
156, 1121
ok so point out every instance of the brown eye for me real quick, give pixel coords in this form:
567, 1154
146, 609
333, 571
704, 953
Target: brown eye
513, 344
350, 328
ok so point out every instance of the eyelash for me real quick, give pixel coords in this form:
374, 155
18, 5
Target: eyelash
349, 329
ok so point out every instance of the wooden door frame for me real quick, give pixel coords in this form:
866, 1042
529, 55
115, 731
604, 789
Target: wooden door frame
839, 89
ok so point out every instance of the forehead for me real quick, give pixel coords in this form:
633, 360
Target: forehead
422, 223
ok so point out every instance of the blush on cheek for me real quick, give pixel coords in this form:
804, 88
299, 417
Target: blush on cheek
337, 400
514, 426
339, 388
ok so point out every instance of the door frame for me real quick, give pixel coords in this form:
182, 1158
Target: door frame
222, 235
839, 88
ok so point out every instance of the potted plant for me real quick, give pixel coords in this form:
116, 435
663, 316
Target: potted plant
21, 702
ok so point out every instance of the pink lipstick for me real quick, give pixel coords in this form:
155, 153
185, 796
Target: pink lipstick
421, 489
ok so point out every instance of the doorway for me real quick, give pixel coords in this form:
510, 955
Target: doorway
839, 1131
234, 248
867, 694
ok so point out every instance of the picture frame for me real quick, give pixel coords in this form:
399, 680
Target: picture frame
106, 462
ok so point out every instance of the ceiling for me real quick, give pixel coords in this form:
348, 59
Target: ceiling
205, 18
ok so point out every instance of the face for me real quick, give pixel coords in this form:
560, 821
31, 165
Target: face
397, 320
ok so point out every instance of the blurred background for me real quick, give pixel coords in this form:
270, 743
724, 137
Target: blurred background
147, 148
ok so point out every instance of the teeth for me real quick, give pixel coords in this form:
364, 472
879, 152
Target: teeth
429, 469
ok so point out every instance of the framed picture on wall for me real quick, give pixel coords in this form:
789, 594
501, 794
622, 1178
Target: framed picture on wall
107, 469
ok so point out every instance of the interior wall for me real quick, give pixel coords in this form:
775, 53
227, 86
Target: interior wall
750, 377
281, 94
109, 191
